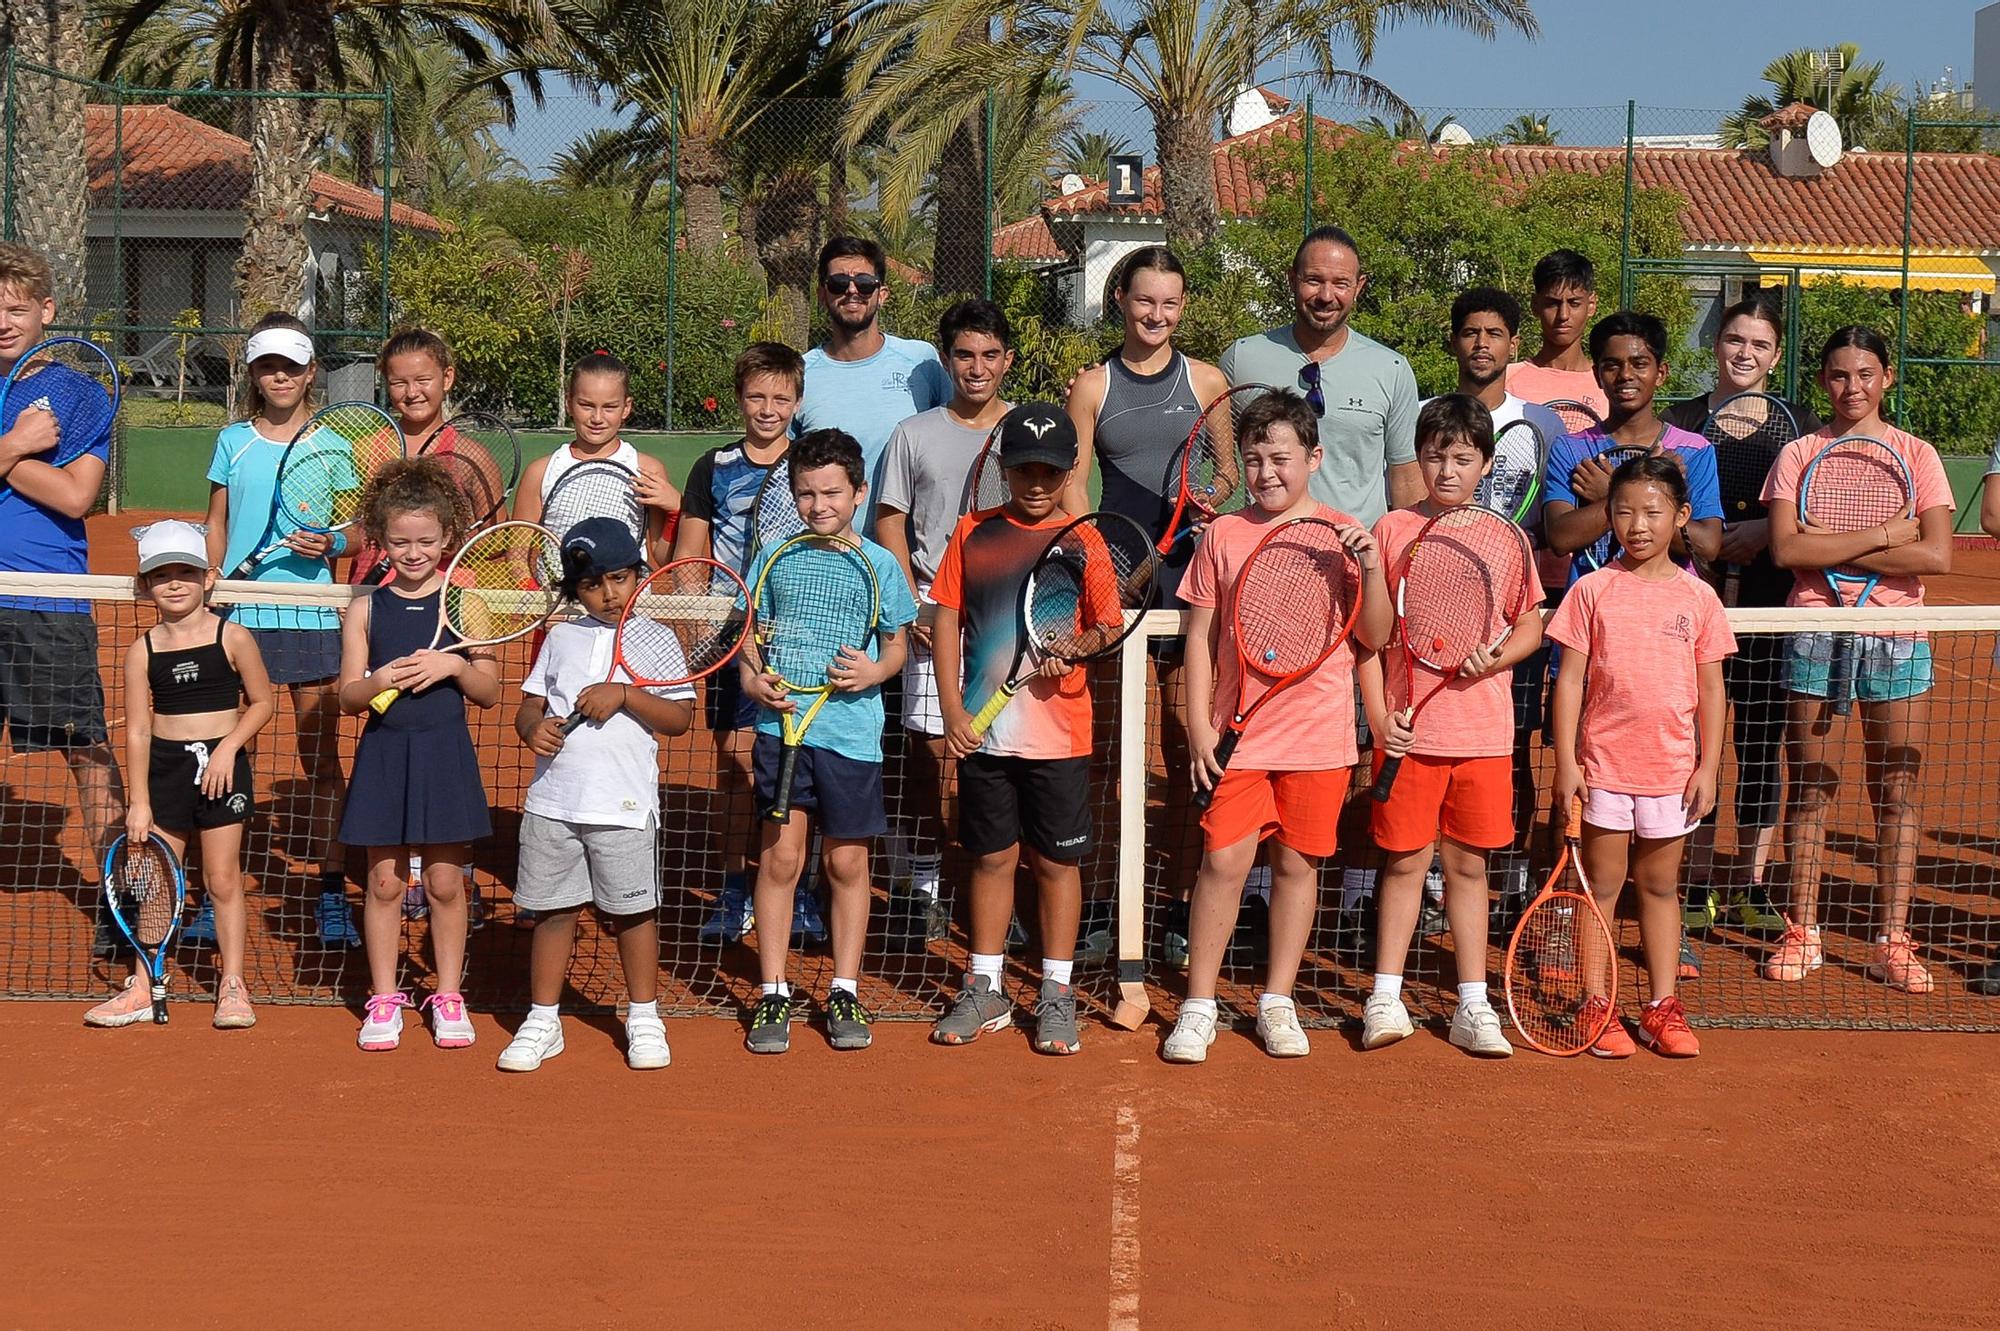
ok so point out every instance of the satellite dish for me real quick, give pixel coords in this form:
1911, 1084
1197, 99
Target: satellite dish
1072, 183
1455, 135
1823, 139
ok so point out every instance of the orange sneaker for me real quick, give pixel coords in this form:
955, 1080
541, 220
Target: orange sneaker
1614, 1042
1664, 1028
133, 1003
1798, 954
1896, 965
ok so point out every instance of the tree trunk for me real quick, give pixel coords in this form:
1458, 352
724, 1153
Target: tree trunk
787, 237
51, 180
284, 149
1187, 178
958, 258
703, 168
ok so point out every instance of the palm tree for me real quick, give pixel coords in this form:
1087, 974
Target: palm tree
1409, 127
922, 64
445, 130
51, 180
1853, 94
309, 46
1088, 153
1529, 131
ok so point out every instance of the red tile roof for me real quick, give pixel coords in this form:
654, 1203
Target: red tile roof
1028, 240
1792, 116
175, 163
1733, 197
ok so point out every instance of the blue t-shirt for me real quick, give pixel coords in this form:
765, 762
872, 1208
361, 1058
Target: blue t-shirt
246, 463
850, 724
1695, 453
35, 539
869, 399
721, 489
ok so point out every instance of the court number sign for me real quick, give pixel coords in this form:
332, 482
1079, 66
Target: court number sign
1127, 179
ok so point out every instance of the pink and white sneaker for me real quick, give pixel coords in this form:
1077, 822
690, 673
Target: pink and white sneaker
451, 1027
133, 1003
382, 1022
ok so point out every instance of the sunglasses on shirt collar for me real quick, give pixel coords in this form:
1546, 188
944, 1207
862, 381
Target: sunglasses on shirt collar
1315, 395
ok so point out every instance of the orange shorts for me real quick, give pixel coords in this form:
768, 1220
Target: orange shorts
1471, 800
1301, 808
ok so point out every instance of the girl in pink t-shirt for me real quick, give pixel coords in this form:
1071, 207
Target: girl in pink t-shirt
1639, 711
1892, 671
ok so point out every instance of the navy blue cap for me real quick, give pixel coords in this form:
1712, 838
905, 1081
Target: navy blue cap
597, 546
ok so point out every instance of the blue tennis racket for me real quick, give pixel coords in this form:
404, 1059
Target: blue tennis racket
74, 380
145, 890
1854, 483
323, 471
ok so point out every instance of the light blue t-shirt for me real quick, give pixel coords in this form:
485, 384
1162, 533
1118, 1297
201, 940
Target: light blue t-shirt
869, 398
849, 724
246, 463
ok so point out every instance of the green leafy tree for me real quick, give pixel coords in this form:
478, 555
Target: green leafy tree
1956, 408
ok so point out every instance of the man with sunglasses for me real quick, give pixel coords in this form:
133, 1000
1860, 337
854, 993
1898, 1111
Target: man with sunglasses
861, 379
1364, 393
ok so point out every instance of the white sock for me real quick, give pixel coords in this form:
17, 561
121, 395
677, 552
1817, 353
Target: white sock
1057, 971
1265, 1002
780, 987
546, 1011
1472, 991
1391, 985
647, 1009
925, 871
1199, 1007
851, 986
988, 964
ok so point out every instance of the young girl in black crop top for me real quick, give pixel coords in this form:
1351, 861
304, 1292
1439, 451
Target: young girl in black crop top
196, 692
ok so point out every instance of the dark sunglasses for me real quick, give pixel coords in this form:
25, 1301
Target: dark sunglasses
840, 284
1315, 398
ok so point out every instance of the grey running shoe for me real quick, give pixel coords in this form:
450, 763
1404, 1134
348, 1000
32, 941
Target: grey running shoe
770, 1025
1055, 1020
847, 1022
978, 1010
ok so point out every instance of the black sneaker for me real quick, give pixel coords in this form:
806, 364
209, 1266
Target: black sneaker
847, 1022
770, 1025
1988, 980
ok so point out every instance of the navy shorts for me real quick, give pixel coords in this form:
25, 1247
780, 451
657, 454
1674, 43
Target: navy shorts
724, 703
1003, 801
50, 692
843, 794
299, 656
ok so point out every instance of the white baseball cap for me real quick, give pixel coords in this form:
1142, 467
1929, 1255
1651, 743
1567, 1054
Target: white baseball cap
172, 542
289, 343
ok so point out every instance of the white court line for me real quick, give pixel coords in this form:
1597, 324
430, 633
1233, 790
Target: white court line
1125, 1222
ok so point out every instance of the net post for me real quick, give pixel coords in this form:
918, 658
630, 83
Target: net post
1311, 151
1903, 305
7, 169
1625, 283
1133, 1003
673, 250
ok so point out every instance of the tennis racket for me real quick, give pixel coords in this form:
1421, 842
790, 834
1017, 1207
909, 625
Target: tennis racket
1520, 456
1464, 583
1747, 432
815, 597
774, 514
1294, 604
684, 622
986, 483
145, 890
1075, 598
1599, 552
596, 489
74, 380
322, 472
1852, 484
1562, 969
483, 455
1206, 478
1576, 417
504, 583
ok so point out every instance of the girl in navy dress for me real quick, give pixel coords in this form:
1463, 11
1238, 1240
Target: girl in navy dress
416, 787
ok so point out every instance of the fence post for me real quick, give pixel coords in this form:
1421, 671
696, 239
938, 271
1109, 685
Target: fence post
1312, 150
673, 245
7, 183
986, 156
1625, 229
388, 194
1903, 304
117, 202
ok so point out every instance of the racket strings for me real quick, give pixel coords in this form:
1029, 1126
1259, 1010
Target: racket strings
777, 517
1294, 599
817, 598
1461, 587
1094, 571
323, 473
503, 582
685, 621
144, 887
593, 490
987, 486
1747, 434
1854, 487
483, 459
1519, 454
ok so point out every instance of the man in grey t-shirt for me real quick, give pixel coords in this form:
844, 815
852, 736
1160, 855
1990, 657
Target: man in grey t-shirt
1364, 393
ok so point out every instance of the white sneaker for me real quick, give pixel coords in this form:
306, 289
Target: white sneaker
539, 1038
1384, 1020
1475, 1028
382, 1022
1278, 1027
646, 1043
451, 1025
1188, 1042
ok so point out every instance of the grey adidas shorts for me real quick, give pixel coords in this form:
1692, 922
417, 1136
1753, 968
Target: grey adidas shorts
564, 865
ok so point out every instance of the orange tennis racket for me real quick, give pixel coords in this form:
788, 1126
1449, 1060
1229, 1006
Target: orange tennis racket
1562, 966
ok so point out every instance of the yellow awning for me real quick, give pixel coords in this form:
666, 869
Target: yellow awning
1884, 268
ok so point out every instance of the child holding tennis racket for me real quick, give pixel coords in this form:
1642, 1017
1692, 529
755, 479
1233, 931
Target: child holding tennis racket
718, 521
590, 819
829, 609
1639, 711
416, 787
1861, 512
1451, 735
300, 644
197, 695
599, 397
1279, 645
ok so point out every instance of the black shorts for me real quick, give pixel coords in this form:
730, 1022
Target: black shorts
174, 775
724, 704
843, 794
50, 691
1043, 801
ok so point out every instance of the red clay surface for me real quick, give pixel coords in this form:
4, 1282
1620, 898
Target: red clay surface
279, 1177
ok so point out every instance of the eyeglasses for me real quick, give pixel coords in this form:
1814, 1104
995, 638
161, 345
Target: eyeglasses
1315, 397
839, 284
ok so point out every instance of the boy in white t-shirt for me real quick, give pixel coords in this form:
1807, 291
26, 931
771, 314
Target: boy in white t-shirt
590, 822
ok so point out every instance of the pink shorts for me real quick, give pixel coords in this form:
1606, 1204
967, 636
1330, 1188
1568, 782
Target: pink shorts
1653, 817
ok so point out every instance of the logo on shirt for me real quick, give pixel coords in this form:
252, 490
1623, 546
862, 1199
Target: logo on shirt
186, 672
238, 803
1680, 628
897, 382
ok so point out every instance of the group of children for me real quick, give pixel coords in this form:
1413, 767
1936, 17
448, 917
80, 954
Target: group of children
1636, 719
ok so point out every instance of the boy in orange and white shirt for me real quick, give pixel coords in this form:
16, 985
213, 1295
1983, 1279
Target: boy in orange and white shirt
1290, 773
1456, 779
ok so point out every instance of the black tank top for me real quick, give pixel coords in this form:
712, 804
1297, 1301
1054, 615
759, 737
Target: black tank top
193, 680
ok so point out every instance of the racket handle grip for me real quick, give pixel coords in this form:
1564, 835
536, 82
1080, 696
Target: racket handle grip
1223, 749
983, 721
574, 723
1385, 780
781, 802
1840, 674
380, 702
159, 1003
